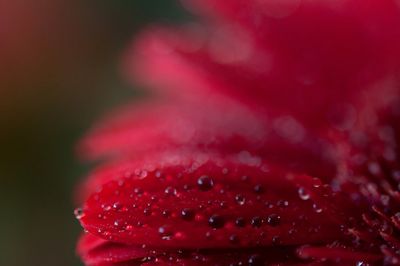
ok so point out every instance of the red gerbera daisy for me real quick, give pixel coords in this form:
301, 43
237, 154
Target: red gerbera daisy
275, 141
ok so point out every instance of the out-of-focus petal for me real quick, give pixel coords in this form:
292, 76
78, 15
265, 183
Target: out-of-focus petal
211, 124
316, 63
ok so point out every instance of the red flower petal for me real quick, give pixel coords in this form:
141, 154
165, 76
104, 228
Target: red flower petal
326, 253
149, 208
95, 251
306, 71
298, 72
107, 253
212, 124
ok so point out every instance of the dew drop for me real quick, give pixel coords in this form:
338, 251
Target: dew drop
256, 260
166, 213
276, 240
117, 223
106, 208
256, 221
158, 174
273, 220
129, 227
79, 213
240, 222
282, 203
117, 206
234, 239
139, 224
143, 174
316, 183
316, 208
216, 221
138, 191
205, 183
258, 189
154, 198
147, 211
170, 191
303, 194
165, 232
240, 199
187, 214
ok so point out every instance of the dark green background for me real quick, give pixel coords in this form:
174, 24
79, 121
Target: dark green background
54, 84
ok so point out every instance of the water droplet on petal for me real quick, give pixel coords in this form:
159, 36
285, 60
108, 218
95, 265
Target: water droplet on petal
258, 189
129, 227
78, 213
143, 174
187, 214
240, 199
256, 260
205, 183
273, 220
256, 221
316, 208
147, 211
276, 240
165, 232
117, 223
170, 191
216, 221
223, 204
117, 206
106, 208
234, 239
282, 203
138, 191
303, 194
240, 222
166, 213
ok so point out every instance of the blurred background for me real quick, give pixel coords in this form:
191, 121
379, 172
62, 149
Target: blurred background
59, 72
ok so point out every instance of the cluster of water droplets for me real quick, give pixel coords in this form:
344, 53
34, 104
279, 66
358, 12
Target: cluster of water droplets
135, 210
206, 213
